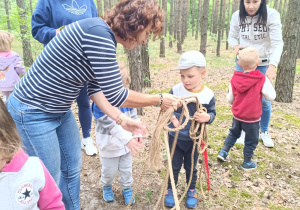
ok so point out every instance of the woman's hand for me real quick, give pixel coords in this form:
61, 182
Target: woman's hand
236, 48
135, 146
168, 101
201, 116
271, 73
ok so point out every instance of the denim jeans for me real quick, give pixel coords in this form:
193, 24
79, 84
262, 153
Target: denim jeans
183, 154
55, 139
84, 112
266, 105
251, 137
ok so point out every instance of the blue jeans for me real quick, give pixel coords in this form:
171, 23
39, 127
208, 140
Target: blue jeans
84, 112
266, 105
55, 139
251, 137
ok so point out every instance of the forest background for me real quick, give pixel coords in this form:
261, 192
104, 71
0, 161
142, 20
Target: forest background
198, 25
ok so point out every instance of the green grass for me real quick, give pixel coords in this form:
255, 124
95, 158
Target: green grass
275, 207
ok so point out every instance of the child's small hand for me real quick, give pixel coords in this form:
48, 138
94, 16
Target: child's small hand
201, 116
135, 146
175, 121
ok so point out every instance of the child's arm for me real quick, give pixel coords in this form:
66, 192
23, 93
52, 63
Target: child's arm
229, 95
209, 116
19, 68
50, 195
122, 135
268, 90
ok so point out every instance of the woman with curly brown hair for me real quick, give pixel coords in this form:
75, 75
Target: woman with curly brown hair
84, 51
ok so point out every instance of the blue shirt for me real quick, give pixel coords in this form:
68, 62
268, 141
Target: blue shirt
49, 15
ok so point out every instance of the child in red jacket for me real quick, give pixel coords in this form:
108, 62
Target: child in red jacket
245, 94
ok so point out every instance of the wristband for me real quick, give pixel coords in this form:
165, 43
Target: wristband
161, 100
120, 119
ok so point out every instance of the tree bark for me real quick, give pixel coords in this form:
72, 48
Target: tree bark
7, 15
198, 18
279, 7
287, 67
30, 4
27, 53
216, 15
184, 19
193, 15
212, 17
220, 27
171, 24
99, 8
106, 5
275, 4
223, 18
203, 26
145, 66
284, 10
228, 24
178, 32
162, 39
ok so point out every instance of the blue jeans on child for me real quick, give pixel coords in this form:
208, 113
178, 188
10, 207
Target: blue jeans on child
266, 105
55, 139
251, 137
84, 111
182, 154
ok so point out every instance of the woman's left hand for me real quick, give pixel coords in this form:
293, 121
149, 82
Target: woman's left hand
168, 101
271, 73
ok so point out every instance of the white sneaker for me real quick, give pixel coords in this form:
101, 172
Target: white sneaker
266, 138
241, 140
88, 145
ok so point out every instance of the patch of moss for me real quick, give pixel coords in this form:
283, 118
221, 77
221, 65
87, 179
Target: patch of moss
275, 207
244, 194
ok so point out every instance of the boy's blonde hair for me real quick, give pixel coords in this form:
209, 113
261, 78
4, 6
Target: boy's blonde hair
6, 40
248, 58
10, 141
124, 74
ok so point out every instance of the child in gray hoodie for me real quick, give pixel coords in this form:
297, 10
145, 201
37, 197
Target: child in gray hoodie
11, 67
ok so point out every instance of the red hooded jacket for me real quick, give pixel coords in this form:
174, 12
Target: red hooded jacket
247, 91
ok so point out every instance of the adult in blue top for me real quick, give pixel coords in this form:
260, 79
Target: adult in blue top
84, 51
46, 20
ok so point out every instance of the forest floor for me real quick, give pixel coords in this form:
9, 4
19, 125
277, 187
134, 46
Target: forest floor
273, 185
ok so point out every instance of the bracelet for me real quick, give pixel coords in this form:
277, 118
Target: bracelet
161, 100
120, 119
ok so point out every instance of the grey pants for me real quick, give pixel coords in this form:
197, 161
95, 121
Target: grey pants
110, 167
5, 95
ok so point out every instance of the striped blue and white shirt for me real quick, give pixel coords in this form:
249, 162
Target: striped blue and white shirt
84, 51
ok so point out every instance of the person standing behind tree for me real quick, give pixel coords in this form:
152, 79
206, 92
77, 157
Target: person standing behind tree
48, 19
259, 26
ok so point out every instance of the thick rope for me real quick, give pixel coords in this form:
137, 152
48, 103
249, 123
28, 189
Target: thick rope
155, 148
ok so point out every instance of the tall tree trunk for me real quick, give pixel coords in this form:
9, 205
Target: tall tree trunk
287, 66
198, 18
106, 5
275, 6
193, 15
27, 53
228, 24
216, 15
223, 18
235, 6
212, 17
185, 17
284, 10
162, 39
203, 26
99, 8
178, 36
171, 24
220, 27
7, 15
279, 7
30, 5
145, 66
109, 4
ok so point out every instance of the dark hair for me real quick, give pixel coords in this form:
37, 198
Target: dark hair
10, 141
130, 17
262, 12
